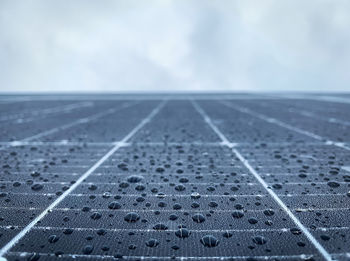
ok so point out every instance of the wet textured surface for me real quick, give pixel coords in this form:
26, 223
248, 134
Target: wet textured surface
206, 177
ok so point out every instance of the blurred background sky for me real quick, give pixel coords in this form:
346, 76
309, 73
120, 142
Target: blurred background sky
180, 45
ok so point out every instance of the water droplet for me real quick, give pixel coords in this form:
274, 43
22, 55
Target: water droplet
237, 214
209, 241
239, 206
37, 187
213, 204
199, 218
96, 215
152, 242
53, 239
134, 178
183, 180
259, 240
195, 195
87, 250
123, 166
277, 186
211, 188
92, 187
131, 217
269, 212
173, 217
33, 257
175, 247
333, 184
161, 195
105, 248
252, 220
101, 232
177, 206
325, 237
180, 187
123, 185
234, 188
68, 231
114, 205
227, 234
182, 233
35, 174
162, 204
160, 169
295, 231
132, 247
160, 226
140, 187
86, 209
106, 195
301, 244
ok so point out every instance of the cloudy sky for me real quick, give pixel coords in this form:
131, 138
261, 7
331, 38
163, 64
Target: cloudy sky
180, 45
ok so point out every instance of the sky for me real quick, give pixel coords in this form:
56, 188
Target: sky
174, 46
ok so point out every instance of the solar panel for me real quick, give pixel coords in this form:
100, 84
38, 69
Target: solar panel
175, 178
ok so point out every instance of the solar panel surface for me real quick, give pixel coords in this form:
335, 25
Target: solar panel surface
182, 177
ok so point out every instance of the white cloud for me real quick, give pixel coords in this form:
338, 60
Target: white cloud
260, 45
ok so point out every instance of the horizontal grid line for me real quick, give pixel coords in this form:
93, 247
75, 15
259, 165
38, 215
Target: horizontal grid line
157, 231
183, 195
46, 111
248, 230
174, 174
139, 183
221, 184
302, 256
298, 210
216, 167
162, 144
